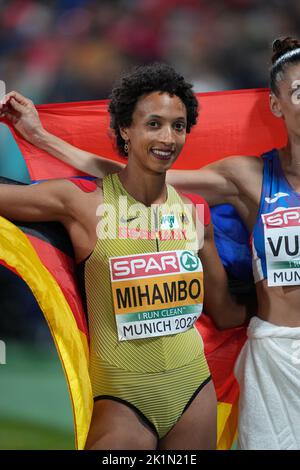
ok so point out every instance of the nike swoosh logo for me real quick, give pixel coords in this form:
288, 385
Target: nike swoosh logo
125, 221
277, 196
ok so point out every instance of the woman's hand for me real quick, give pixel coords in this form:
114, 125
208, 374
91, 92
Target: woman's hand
22, 113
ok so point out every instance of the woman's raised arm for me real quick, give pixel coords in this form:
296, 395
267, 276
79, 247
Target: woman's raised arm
24, 117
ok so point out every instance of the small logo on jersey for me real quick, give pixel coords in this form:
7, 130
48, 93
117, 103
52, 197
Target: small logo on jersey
189, 261
271, 200
125, 221
168, 222
184, 218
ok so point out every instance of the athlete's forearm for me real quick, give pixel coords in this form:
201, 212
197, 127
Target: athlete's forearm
224, 308
235, 314
206, 181
186, 180
84, 161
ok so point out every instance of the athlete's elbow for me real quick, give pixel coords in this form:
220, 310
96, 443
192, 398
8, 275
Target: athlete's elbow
218, 318
226, 319
224, 324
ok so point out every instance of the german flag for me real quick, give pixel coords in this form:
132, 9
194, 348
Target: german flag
230, 123
41, 255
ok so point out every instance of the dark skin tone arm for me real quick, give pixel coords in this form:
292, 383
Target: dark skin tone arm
56, 200
219, 304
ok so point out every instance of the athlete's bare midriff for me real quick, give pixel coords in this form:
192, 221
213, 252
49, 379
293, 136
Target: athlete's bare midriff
278, 305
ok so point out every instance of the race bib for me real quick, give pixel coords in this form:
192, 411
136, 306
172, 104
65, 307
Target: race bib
282, 233
156, 294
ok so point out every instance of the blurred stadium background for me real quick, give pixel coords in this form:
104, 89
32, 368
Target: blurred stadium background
71, 50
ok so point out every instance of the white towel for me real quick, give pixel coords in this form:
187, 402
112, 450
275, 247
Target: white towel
268, 372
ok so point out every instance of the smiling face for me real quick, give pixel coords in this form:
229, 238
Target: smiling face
158, 131
287, 103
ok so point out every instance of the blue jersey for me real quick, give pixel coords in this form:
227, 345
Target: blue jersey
276, 234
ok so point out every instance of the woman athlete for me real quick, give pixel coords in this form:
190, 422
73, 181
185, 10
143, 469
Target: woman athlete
140, 271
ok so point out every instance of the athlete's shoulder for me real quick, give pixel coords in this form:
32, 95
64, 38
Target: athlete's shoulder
85, 185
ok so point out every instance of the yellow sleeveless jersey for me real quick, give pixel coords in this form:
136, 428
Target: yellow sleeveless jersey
126, 230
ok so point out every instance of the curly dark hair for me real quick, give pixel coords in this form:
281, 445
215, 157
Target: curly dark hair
143, 80
286, 51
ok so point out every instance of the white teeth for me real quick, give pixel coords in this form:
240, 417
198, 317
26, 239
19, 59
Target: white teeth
162, 153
